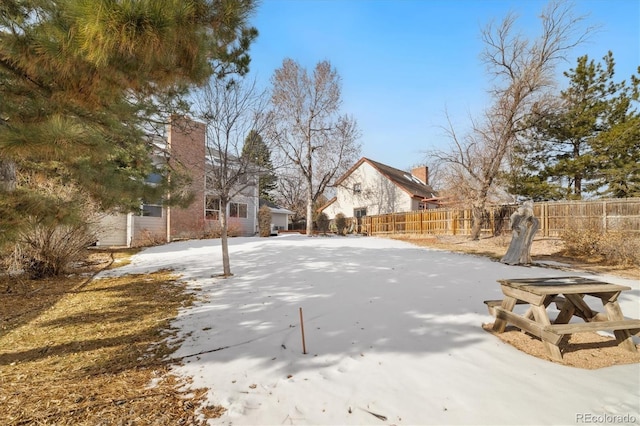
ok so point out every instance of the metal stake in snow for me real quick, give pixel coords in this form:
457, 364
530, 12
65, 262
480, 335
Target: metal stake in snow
304, 346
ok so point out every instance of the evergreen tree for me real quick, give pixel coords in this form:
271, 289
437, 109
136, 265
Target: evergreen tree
257, 151
616, 151
81, 83
588, 142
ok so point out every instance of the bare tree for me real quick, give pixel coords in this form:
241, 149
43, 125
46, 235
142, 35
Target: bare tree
307, 128
523, 70
291, 192
231, 109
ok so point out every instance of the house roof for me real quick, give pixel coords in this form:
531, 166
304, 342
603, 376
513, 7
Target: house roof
404, 180
327, 204
274, 208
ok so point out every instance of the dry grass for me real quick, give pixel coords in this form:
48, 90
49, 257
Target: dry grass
76, 351
542, 250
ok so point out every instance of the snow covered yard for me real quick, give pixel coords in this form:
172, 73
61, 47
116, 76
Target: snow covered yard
393, 335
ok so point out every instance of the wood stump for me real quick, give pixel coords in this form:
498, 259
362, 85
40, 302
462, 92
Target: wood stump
524, 226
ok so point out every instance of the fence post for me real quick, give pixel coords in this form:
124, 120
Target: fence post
544, 212
466, 222
492, 220
453, 218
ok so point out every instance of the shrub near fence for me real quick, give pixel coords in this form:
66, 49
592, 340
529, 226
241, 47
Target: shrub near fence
555, 218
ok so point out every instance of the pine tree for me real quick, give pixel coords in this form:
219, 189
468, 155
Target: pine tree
616, 151
589, 142
83, 82
257, 151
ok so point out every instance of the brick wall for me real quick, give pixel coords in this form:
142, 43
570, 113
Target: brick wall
421, 173
187, 148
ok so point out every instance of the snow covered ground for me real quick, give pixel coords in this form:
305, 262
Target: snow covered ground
393, 336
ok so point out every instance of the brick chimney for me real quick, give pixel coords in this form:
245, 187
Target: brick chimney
187, 147
421, 173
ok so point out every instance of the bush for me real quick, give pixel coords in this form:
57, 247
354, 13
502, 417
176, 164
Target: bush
617, 246
46, 250
582, 241
341, 223
264, 221
620, 248
48, 241
322, 222
148, 238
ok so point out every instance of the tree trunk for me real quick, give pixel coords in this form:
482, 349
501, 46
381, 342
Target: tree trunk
309, 211
523, 228
7, 175
476, 222
224, 241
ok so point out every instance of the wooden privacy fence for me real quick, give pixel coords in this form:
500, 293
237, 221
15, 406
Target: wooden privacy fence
555, 217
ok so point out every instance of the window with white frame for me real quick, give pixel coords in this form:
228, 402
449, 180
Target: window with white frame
360, 212
238, 210
212, 208
357, 188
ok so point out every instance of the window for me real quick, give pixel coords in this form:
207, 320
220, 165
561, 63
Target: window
360, 212
357, 188
212, 208
154, 178
238, 210
151, 210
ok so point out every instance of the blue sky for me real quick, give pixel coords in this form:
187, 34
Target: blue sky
403, 63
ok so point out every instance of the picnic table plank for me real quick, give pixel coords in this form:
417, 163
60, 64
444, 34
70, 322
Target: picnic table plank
593, 326
622, 336
528, 325
508, 304
564, 285
540, 314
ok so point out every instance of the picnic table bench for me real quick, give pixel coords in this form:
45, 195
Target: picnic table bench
568, 294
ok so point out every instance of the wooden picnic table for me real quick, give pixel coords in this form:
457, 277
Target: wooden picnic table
568, 294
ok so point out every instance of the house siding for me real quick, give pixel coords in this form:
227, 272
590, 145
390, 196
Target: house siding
149, 230
112, 231
280, 220
248, 225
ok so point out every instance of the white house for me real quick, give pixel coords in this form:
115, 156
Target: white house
371, 188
